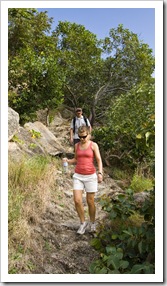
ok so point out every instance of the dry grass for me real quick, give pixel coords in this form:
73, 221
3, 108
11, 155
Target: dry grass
31, 184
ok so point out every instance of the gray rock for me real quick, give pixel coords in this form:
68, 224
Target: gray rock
141, 197
46, 139
13, 123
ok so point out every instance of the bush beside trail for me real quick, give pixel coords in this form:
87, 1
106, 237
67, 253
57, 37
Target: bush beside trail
126, 243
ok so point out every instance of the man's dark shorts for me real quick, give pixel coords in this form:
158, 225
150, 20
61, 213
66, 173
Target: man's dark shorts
76, 141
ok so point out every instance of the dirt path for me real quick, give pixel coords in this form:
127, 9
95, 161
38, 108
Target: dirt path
63, 251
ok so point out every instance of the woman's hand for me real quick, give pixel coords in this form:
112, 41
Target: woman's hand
65, 160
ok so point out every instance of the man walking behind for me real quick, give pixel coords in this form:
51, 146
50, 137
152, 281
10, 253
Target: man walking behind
77, 121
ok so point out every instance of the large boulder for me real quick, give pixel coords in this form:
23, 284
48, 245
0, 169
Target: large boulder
14, 152
43, 137
35, 138
13, 123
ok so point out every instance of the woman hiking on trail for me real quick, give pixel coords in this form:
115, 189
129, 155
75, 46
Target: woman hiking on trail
85, 177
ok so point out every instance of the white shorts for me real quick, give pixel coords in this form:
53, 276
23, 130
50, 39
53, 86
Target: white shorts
85, 182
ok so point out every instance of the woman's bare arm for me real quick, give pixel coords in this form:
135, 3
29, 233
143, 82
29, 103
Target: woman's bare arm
98, 160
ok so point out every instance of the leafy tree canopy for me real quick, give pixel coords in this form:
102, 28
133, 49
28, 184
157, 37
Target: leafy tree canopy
35, 78
129, 134
81, 60
128, 63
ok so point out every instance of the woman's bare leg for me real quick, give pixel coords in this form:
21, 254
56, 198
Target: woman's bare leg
91, 206
78, 204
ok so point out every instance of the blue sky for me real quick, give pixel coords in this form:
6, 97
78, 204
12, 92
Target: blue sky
99, 21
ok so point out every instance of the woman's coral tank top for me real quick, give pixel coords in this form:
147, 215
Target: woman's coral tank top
85, 160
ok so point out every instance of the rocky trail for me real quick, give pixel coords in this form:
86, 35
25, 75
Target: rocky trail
63, 250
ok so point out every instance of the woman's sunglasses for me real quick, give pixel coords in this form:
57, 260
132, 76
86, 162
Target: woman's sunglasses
83, 137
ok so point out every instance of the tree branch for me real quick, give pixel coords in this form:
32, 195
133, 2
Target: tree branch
73, 95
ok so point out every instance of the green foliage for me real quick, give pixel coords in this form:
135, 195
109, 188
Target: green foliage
35, 79
140, 183
26, 28
81, 62
119, 174
35, 134
16, 139
111, 262
129, 62
129, 135
32, 145
135, 61
126, 248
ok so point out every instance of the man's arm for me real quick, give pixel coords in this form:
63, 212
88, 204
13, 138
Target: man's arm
71, 135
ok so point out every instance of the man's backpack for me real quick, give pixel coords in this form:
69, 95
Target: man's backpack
74, 119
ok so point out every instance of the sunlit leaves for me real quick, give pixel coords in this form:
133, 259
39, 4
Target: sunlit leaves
35, 78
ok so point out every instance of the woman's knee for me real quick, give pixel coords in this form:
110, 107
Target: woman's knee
77, 198
77, 201
90, 201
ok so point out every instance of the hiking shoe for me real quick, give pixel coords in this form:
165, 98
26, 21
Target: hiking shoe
82, 228
92, 227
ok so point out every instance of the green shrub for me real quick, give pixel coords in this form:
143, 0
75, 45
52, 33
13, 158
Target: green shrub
125, 246
128, 137
140, 183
